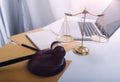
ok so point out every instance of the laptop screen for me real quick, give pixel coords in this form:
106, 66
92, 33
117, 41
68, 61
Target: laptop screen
111, 18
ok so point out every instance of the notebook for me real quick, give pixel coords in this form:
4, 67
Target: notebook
43, 39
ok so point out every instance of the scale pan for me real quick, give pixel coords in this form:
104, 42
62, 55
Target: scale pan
99, 38
65, 38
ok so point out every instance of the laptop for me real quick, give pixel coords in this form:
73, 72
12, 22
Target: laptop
111, 21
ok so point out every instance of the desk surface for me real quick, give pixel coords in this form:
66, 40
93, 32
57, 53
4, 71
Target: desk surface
102, 64
18, 72
21, 38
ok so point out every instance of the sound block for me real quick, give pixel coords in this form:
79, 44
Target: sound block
46, 70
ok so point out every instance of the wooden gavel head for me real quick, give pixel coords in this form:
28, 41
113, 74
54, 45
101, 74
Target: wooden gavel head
48, 62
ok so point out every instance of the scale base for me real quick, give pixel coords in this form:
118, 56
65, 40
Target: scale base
81, 50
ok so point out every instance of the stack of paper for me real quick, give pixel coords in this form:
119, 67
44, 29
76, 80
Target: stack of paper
42, 40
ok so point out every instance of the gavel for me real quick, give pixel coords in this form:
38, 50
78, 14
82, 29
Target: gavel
45, 62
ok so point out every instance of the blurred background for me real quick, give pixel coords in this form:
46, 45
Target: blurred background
17, 16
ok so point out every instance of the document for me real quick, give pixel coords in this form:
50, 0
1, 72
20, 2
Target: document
43, 39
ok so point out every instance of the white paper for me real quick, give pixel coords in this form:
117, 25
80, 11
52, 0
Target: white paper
42, 40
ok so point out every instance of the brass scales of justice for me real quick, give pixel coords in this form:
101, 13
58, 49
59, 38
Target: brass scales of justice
66, 37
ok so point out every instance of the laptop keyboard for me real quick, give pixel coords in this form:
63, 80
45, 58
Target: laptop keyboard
89, 28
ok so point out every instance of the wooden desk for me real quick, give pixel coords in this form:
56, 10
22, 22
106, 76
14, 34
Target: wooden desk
21, 38
18, 72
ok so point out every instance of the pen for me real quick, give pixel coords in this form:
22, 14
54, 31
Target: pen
30, 47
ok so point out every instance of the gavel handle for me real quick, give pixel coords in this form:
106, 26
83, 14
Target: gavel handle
12, 61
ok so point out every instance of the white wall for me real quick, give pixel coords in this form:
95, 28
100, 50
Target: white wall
93, 6
44, 12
